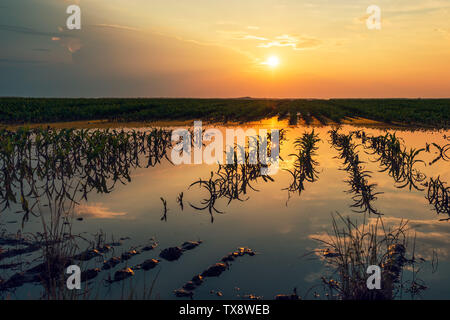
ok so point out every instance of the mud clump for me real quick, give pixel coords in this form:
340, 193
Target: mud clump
174, 253
189, 245
129, 254
104, 249
287, 297
197, 280
293, 296
89, 274
251, 297
171, 254
10, 266
10, 253
238, 253
182, 293
19, 279
149, 264
228, 258
215, 270
190, 286
123, 274
150, 247
87, 255
111, 263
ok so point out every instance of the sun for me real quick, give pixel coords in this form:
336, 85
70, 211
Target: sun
272, 62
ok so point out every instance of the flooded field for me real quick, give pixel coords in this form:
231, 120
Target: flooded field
141, 227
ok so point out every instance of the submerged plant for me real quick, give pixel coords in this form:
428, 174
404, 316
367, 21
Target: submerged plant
46, 172
232, 181
438, 195
443, 152
60, 165
349, 251
394, 159
363, 192
305, 165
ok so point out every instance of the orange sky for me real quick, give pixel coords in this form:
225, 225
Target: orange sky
212, 48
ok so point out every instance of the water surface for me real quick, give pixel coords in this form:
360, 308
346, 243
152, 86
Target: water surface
279, 227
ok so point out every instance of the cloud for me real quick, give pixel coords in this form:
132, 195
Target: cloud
114, 26
284, 40
422, 7
444, 32
362, 19
254, 38
97, 210
430, 235
296, 43
240, 35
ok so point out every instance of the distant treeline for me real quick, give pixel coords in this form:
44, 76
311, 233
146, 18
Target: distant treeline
422, 112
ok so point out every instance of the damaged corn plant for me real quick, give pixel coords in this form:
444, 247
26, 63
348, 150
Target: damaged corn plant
46, 172
401, 165
304, 168
351, 248
394, 159
232, 181
363, 192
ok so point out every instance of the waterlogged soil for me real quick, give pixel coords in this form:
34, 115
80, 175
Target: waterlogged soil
253, 247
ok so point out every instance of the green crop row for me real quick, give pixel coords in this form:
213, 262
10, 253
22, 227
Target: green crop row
422, 112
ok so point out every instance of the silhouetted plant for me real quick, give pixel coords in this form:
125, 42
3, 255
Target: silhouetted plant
438, 195
364, 193
349, 251
304, 168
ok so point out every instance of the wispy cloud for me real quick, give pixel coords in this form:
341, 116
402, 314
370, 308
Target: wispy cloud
114, 26
284, 40
242, 35
429, 234
97, 210
295, 42
444, 32
418, 8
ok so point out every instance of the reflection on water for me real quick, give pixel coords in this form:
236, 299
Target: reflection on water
305, 165
60, 197
351, 249
363, 191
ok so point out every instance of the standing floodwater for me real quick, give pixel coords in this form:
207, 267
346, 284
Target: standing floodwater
112, 202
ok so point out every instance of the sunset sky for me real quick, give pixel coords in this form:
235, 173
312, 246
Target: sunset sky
233, 48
